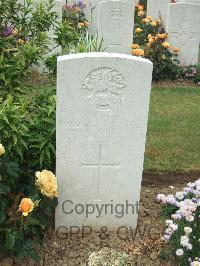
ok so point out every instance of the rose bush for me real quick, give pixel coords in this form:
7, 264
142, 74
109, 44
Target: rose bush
23, 38
24, 214
150, 41
27, 137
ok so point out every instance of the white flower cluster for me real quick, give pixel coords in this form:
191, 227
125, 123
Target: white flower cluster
184, 242
170, 230
187, 203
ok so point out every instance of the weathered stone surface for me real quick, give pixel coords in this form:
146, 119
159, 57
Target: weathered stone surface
53, 47
184, 32
157, 9
102, 111
112, 20
189, 1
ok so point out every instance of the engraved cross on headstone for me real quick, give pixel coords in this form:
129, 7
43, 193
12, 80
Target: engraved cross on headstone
116, 13
99, 165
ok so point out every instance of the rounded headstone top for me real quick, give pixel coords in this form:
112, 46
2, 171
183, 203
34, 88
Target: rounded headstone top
102, 55
189, 1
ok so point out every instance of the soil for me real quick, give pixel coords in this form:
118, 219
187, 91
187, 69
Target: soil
178, 177
143, 246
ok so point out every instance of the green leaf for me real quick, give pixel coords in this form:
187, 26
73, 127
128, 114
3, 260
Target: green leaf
34, 221
47, 211
13, 169
4, 188
2, 217
10, 241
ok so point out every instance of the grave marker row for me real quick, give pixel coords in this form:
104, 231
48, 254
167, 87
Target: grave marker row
181, 20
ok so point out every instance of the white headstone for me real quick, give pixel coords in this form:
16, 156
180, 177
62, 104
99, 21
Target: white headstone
112, 20
157, 9
58, 4
183, 27
189, 1
53, 47
102, 112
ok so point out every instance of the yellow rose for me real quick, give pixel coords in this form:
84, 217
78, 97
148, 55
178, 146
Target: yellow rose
149, 17
166, 44
158, 21
138, 30
26, 206
2, 150
138, 52
135, 46
153, 23
141, 13
145, 20
47, 183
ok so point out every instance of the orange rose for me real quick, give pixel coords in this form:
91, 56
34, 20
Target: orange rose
149, 18
26, 206
162, 36
151, 40
176, 50
86, 23
166, 44
140, 7
141, 13
81, 24
153, 23
138, 52
135, 46
145, 20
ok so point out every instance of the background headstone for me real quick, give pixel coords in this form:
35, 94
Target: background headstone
157, 8
53, 48
112, 20
183, 26
189, 1
102, 112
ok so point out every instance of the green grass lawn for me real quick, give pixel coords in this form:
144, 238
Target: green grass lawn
173, 138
